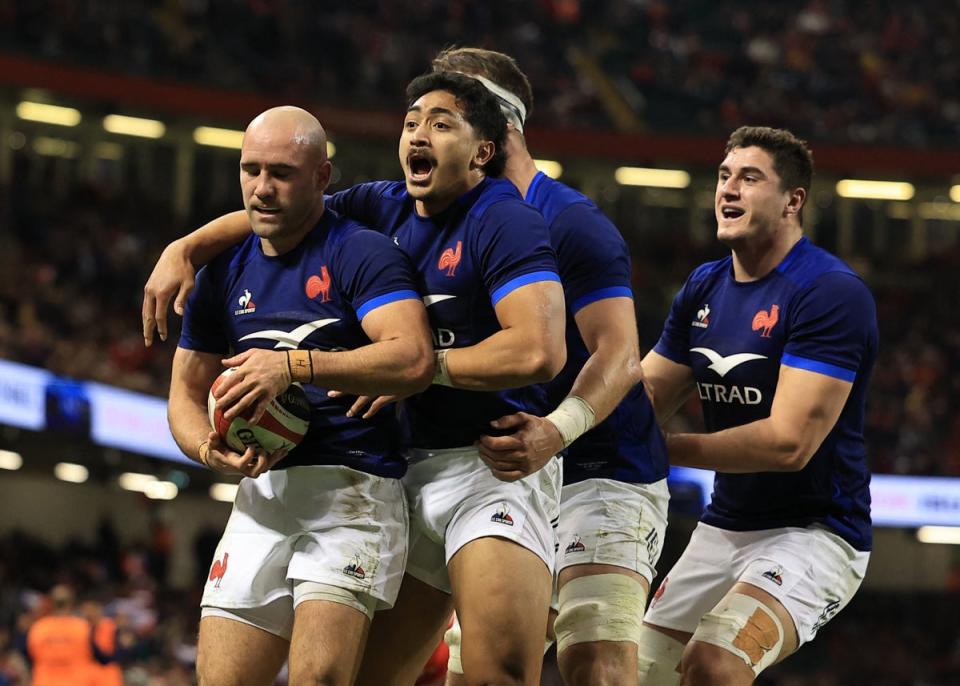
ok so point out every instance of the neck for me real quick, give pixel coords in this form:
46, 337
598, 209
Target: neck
520, 168
753, 260
278, 245
430, 207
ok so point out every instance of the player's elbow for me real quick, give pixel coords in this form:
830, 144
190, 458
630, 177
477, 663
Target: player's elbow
417, 369
795, 454
545, 361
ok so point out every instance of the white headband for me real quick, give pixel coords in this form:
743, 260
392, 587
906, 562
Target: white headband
511, 106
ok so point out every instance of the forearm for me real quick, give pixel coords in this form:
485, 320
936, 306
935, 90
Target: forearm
214, 237
507, 359
390, 367
606, 378
189, 424
755, 447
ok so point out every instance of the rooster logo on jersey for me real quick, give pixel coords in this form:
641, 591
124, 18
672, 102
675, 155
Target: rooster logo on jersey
246, 303
450, 258
319, 285
765, 321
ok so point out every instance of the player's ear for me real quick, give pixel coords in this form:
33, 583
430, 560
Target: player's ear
795, 201
484, 153
323, 175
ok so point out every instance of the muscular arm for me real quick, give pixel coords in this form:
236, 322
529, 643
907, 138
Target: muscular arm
173, 275
398, 361
529, 348
193, 373
668, 384
805, 408
609, 330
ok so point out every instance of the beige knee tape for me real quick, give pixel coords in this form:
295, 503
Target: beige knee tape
453, 637
658, 658
601, 607
311, 590
746, 627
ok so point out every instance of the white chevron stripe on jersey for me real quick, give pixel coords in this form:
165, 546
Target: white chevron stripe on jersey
429, 300
722, 365
290, 339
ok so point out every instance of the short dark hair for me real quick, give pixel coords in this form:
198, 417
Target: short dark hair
496, 66
480, 107
792, 159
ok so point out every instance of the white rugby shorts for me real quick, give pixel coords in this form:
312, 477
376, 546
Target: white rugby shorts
455, 499
813, 572
330, 525
608, 522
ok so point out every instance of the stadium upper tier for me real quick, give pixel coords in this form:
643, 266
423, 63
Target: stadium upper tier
862, 72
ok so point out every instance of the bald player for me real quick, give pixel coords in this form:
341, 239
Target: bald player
317, 539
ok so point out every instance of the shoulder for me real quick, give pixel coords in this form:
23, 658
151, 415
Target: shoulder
709, 271
499, 199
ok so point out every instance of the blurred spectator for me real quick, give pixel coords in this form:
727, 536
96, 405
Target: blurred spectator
60, 645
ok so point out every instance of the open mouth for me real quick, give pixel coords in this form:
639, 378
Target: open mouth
268, 211
420, 166
730, 212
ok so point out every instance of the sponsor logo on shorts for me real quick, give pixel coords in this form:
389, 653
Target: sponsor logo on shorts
355, 569
775, 575
502, 515
653, 544
575, 546
831, 609
218, 569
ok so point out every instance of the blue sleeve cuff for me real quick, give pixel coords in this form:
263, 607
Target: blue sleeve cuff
385, 299
600, 294
514, 284
818, 367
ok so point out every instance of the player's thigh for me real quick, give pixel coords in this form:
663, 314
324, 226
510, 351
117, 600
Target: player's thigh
231, 652
402, 639
327, 644
502, 592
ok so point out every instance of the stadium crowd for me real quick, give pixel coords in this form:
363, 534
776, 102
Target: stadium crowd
826, 69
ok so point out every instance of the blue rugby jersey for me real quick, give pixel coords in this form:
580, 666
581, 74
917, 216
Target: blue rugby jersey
312, 298
483, 247
812, 312
595, 264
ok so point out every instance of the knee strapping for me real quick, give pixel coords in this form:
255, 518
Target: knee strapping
658, 658
311, 590
601, 607
746, 627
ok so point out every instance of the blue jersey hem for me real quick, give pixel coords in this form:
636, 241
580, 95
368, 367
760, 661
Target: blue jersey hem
818, 367
526, 279
385, 299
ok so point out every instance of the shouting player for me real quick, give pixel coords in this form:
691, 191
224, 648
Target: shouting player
496, 307
317, 543
778, 340
614, 501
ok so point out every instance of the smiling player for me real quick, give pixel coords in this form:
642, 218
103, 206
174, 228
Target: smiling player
779, 340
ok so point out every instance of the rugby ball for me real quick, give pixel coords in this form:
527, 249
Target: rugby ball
283, 424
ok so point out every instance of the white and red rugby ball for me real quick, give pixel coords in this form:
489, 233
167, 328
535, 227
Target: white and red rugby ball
283, 424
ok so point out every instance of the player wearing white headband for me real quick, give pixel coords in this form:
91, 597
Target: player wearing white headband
614, 499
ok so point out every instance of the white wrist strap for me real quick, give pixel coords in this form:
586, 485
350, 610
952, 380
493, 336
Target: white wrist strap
441, 377
573, 418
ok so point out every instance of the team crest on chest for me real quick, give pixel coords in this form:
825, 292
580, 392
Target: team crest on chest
450, 258
319, 285
764, 321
